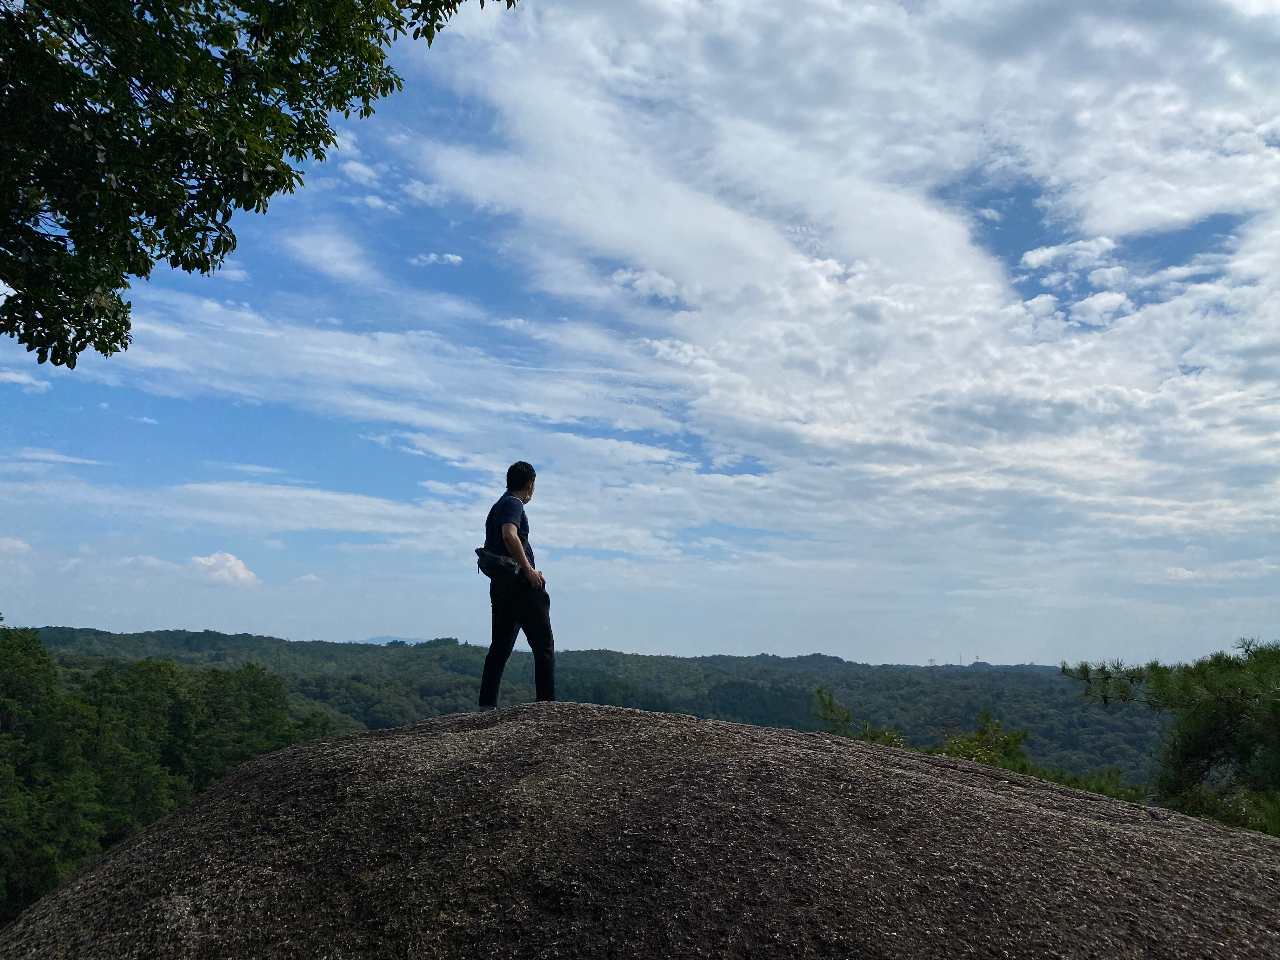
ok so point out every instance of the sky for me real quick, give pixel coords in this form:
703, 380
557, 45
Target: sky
897, 331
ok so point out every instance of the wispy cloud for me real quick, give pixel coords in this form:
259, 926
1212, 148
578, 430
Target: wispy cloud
759, 351
426, 259
432, 194
1237, 570
29, 383
250, 468
233, 270
361, 173
332, 254
52, 456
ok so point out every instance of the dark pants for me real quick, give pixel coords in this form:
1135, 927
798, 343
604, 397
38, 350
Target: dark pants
516, 606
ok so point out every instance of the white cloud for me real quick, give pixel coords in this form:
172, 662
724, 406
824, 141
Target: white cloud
13, 545
347, 143
332, 254
360, 173
1042, 306
375, 202
1256, 8
1080, 254
30, 383
1099, 308
433, 195
426, 259
250, 468
52, 456
145, 561
1108, 276
1236, 570
234, 271
308, 578
223, 568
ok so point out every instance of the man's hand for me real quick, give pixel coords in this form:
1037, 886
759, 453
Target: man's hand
535, 578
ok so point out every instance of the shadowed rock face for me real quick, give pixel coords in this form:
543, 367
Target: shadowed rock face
569, 830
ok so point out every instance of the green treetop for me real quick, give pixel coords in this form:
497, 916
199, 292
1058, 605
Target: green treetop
132, 129
1221, 757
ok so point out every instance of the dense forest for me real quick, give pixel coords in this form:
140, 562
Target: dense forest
365, 686
88, 758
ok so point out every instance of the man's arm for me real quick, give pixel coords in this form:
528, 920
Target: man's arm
511, 537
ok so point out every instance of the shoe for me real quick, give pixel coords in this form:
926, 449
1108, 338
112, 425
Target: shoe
483, 707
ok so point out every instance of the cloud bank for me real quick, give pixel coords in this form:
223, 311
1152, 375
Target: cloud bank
849, 328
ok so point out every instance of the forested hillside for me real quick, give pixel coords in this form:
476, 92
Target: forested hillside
88, 759
363, 686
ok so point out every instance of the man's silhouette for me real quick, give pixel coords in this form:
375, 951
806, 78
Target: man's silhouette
519, 601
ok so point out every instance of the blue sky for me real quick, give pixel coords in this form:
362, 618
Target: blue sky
896, 332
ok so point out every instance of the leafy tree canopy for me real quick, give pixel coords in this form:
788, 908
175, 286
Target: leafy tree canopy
1221, 756
132, 129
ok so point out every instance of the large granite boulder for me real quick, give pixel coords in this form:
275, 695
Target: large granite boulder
570, 830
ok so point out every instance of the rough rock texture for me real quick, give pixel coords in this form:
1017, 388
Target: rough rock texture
570, 830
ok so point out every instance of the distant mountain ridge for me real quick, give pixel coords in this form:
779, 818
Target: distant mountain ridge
366, 686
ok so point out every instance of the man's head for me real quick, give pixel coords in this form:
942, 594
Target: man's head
520, 478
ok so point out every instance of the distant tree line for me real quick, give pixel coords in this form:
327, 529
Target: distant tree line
987, 743
82, 769
363, 686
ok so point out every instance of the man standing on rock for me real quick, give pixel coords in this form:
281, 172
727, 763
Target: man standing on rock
519, 601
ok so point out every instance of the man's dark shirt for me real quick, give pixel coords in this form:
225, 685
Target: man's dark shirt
508, 509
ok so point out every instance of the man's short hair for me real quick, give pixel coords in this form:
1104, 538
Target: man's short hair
519, 474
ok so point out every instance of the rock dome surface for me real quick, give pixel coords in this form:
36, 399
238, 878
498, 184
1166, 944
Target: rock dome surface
570, 830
